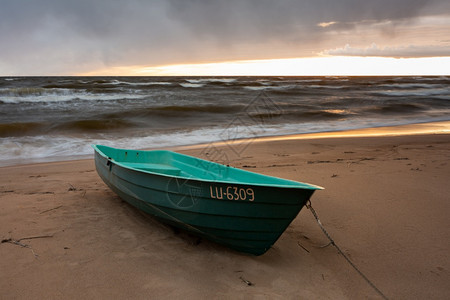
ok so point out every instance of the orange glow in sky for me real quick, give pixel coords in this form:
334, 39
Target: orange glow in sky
315, 66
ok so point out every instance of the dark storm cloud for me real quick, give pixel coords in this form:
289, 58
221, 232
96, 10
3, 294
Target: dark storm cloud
77, 35
62, 36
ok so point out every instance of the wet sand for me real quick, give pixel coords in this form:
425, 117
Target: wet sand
386, 204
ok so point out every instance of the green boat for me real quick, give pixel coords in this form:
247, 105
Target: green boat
243, 210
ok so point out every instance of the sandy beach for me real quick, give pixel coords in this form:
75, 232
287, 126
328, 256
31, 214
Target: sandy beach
66, 235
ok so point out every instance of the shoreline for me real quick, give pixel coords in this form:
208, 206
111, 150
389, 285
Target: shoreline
440, 127
425, 128
385, 204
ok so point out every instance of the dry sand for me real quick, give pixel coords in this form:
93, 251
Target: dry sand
386, 204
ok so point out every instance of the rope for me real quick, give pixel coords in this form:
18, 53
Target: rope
308, 205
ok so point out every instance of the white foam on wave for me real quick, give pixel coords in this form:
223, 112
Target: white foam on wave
414, 92
207, 80
27, 149
411, 85
20, 150
291, 86
331, 87
118, 82
59, 95
256, 88
314, 80
269, 87
192, 85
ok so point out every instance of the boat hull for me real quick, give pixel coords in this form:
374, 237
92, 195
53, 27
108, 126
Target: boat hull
245, 217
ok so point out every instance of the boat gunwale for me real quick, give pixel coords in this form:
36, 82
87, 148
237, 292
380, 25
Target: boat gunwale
205, 198
273, 204
306, 186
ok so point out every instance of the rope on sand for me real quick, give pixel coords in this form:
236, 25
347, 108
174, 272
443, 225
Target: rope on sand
308, 205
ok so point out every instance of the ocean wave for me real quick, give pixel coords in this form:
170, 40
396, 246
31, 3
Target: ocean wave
301, 81
212, 80
34, 94
324, 115
331, 87
211, 108
150, 83
413, 92
411, 85
184, 110
86, 126
95, 120
286, 88
397, 108
172, 112
93, 125
23, 91
62, 147
65, 86
432, 78
192, 85
256, 88
46, 148
105, 83
300, 115
20, 129
45, 95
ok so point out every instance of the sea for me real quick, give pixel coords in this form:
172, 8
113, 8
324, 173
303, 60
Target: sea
59, 118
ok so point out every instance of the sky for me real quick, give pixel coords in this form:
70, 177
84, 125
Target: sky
217, 37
